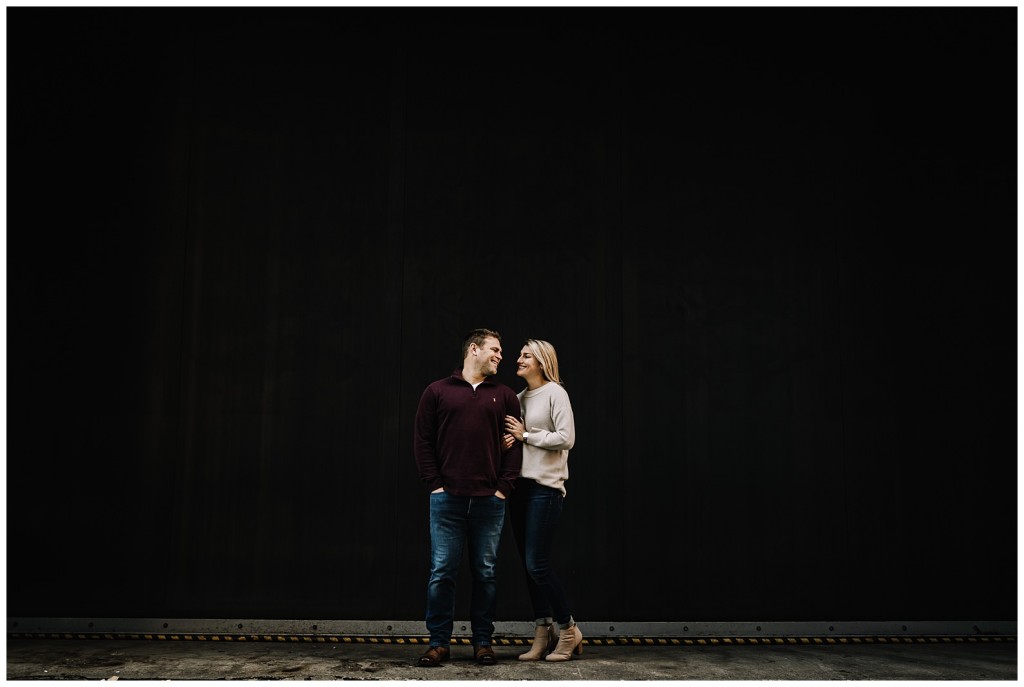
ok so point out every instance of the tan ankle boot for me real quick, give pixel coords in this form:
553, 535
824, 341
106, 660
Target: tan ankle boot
543, 641
569, 642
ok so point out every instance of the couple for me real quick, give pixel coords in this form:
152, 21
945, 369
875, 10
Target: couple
477, 444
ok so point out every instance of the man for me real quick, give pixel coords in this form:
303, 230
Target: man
458, 447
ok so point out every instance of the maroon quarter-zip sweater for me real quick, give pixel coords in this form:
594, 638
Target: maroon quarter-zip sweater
457, 437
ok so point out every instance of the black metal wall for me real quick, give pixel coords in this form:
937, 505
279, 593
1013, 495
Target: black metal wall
774, 247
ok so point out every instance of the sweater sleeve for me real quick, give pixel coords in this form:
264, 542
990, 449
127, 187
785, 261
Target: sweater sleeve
425, 441
563, 436
512, 458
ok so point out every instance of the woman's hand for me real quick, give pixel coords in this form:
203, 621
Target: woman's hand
507, 440
515, 427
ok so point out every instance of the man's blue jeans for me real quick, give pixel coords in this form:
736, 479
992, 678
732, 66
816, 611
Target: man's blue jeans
455, 521
534, 511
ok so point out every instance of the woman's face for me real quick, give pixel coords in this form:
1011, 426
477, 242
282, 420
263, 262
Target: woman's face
527, 365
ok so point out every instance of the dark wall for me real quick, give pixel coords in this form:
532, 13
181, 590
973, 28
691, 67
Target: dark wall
775, 248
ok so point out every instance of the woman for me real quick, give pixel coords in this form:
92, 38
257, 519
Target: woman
547, 432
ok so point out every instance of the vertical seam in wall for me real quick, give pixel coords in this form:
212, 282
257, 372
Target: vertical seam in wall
622, 286
177, 484
840, 344
185, 240
396, 231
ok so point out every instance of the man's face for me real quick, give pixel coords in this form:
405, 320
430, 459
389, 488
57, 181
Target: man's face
487, 356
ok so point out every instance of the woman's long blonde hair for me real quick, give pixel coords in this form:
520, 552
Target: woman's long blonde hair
545, 354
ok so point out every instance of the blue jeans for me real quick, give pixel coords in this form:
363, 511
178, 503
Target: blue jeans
534, 511
455, 520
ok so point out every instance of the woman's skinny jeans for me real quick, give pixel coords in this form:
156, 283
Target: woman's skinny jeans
534, 511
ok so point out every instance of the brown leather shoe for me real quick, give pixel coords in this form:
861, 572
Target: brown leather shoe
434, 656
484, 654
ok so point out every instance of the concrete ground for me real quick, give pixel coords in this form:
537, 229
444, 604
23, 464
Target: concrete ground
131, 659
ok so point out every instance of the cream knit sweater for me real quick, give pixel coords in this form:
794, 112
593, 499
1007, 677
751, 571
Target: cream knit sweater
547, 415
